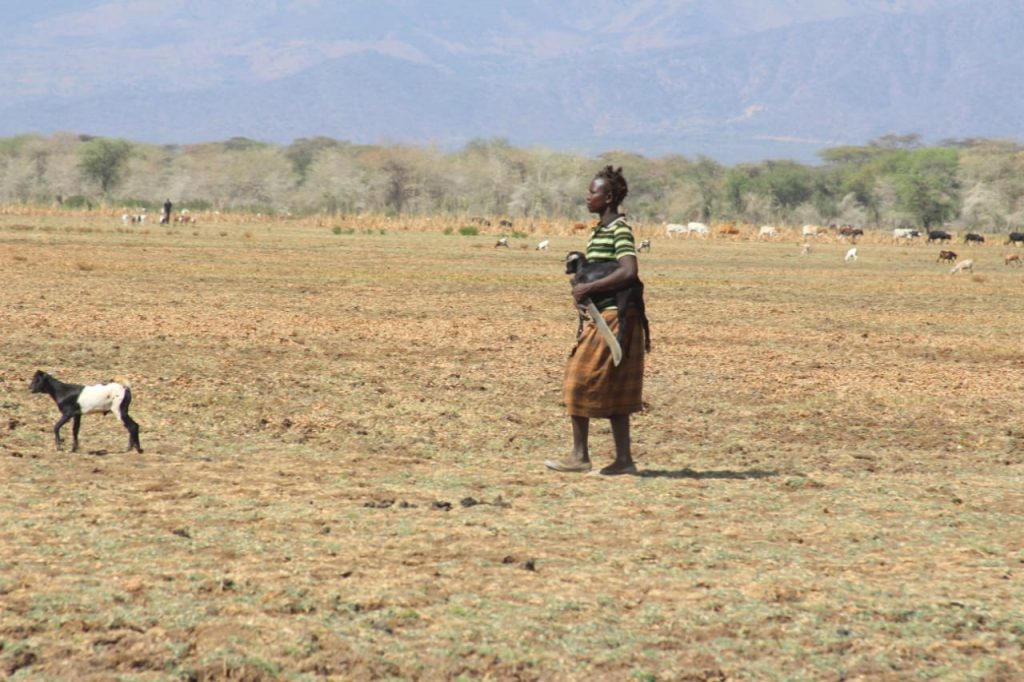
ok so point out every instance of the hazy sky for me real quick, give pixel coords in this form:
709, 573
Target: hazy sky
446, 71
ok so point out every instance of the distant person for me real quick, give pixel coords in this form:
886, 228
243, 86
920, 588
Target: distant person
165, 219
594, 386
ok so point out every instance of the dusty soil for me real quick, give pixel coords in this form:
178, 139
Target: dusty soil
342, 475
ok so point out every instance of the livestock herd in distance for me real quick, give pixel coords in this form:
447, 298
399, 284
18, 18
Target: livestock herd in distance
848, 233
841, 232
811, 234
807, 235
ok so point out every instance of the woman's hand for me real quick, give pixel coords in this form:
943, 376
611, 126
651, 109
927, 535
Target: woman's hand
581, 291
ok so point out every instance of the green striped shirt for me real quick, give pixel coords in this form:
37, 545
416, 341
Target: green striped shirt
607, 243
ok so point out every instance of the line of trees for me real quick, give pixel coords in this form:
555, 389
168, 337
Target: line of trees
894, 181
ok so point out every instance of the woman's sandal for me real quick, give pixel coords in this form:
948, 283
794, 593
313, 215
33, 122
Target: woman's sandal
568, 465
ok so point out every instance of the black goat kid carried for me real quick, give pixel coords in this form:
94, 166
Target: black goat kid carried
74, 400
583, 271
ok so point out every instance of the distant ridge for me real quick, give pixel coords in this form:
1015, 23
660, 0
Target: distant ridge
732, 79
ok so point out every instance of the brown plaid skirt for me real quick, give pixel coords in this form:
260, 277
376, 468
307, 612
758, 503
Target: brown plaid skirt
594, 387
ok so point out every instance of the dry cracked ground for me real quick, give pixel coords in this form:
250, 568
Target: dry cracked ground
344, 432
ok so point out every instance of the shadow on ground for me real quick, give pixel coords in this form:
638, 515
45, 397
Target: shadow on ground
704, 475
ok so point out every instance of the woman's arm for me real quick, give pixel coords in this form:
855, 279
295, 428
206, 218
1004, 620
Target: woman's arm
620, 277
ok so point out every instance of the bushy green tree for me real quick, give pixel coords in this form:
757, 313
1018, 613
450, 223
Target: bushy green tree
927, 186
304, 151
787, 183
737, 184
103, 161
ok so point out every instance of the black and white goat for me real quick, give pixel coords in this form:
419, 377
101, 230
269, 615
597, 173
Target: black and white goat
74, 400
584, 272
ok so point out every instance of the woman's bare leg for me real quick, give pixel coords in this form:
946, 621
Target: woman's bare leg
579, 460
623, 463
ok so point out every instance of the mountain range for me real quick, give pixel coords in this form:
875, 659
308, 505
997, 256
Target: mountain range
735, 80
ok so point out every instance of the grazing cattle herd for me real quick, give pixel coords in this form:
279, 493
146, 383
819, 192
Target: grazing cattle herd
807, 234
813, 234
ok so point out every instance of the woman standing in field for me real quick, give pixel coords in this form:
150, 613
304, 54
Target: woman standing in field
594, 387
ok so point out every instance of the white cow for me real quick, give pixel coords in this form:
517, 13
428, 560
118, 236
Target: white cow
699, 229
904, 233
543, 245
672, 229
851, 254
767, 232
809, 231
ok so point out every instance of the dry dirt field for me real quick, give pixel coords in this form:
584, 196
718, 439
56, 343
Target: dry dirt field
344, 432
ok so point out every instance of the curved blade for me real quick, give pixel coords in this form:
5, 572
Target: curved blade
606, 333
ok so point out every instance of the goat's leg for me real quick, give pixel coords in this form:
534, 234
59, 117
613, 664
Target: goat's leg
641, 309
133, 433
129, 423
581, 313
64, 419
622, 300
75, 425
623, 336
